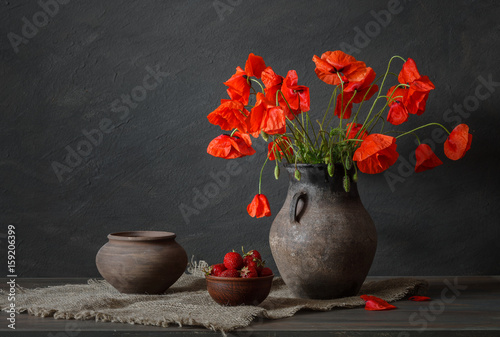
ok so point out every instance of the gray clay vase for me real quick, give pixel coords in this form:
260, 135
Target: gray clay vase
323, 240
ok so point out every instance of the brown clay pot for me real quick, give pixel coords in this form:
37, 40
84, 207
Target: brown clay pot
233, 291
323, 240
141, 262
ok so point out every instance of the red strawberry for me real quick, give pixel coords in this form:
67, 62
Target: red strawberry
247, 259
253, 253
257, 264
233, 260
266, 272
217, 269
248, 272
230, 273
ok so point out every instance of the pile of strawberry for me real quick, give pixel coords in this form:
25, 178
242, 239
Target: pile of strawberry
250, 265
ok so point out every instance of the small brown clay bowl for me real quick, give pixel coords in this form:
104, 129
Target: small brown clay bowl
236, 291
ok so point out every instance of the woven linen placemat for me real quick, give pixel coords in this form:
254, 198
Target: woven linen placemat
187, 302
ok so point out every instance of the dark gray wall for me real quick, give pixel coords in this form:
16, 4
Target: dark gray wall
65, 78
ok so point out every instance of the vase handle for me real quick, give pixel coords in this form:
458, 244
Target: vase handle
293, 205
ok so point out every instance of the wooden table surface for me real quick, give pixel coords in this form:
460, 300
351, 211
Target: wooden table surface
461, 306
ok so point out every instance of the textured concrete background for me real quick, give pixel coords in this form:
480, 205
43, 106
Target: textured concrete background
89, 65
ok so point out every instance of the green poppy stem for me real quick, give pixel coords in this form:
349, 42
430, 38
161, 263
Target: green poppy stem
421, 127
260, 177
329, 104
387, 71
260, 85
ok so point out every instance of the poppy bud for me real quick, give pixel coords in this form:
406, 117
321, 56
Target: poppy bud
347, 184
355, 177
331, 169
297, 175
264, 135
276, 172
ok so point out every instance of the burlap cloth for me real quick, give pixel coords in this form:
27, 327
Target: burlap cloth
187, 302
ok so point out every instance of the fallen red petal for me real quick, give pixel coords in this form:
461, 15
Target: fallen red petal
419, 298
374, 303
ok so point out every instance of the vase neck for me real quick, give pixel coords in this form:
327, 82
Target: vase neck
316, 176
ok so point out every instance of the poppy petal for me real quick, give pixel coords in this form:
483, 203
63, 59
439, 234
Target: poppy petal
254, 65
297, 96
219, 147
353, 132
409, 73
275, 123
374, 303
259, 207
270, 78
398, 114
239, 88
230, 147
419, 298
334, 65
376, 153
426, 159
325, 71
229, 115
458, 142
343, 107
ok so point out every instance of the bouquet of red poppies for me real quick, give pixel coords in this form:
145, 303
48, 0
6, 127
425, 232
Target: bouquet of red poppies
264, 104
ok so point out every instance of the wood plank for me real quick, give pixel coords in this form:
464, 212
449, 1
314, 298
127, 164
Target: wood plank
474, 312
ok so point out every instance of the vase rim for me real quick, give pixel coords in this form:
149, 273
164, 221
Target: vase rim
141, 235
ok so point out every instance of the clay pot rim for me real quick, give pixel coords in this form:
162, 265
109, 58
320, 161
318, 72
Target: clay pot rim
141, 236
237, 279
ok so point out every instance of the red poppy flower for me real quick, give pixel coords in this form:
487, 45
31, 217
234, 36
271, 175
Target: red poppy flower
239, 86
280, 145
334, 65
417, 101
353, 133
296, 95
410, 75
272, 82
227, 147
458, 142
357, 91
416, 94
259, 207
254, 65
376, 153
426, 159
266, 117
398, 113
374, 303
229, 115
419, 298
